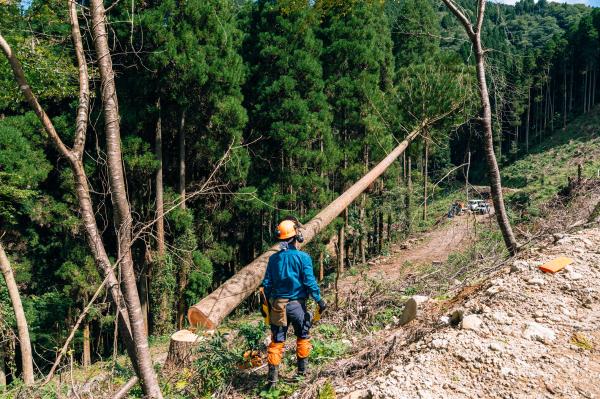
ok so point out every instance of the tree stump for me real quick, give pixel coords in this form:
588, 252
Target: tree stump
181, 348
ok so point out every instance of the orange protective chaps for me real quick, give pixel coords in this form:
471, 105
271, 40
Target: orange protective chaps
303, 348
275, 353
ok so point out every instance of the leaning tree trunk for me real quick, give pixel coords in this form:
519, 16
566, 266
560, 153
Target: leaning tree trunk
2, 369
122, 212
493, 170
474, 33
22, 329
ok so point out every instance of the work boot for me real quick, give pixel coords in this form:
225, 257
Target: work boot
272, 376
302, 365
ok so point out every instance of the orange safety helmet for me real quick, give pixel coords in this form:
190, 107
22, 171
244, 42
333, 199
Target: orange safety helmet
286, 229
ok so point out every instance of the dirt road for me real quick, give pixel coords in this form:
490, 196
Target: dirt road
434, 246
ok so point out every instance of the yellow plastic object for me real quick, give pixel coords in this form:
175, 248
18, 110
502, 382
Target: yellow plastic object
556, 265
265, 309
317, 315
265, 306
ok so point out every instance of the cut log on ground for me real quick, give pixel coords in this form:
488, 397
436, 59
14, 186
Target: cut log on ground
211, 310
181, 348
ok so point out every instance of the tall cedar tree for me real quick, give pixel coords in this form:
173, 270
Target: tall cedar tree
288, 108
358, 69
200, 72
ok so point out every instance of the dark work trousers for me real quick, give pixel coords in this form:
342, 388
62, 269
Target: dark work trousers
298, 317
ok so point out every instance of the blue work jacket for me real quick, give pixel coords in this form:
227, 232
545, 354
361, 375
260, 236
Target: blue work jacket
290, 275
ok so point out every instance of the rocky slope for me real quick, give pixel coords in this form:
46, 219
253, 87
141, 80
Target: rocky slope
521, 334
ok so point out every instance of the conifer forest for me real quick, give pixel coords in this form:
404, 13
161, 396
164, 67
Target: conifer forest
150, 148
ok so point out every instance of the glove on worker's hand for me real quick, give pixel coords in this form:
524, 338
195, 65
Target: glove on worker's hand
322, 306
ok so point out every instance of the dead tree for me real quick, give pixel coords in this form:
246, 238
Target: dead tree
474, 34
22, 329
120, 201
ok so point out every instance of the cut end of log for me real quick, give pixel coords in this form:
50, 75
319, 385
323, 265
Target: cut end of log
185, 336
199, 320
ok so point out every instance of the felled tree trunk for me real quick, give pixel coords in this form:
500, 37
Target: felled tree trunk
211, 310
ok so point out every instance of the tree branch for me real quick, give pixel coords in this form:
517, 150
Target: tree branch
31, 98
480, 14
63, 350
462, 18
84, 88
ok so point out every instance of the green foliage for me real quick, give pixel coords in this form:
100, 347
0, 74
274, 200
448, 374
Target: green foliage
39, 39
214, 367
23, 166
253, 334
163, 293
288, 107
327, 391
325, 350
200, 278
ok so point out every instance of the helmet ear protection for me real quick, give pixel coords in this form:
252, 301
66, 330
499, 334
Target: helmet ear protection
299, 235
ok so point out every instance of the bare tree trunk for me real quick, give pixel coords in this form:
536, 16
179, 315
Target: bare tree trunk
22, 329
571, 88
425, 173
528, 119
2, 369
408, 198
160, 206
585, 93
474, 33
565, 95
594, 88
75, 156
87, 352
122, 212
182, 159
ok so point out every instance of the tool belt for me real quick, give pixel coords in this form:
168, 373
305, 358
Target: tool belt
278, 313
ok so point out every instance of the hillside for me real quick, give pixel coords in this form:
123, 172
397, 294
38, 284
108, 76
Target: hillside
540, 174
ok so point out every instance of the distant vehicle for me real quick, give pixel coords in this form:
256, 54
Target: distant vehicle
479, 206
456, 209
